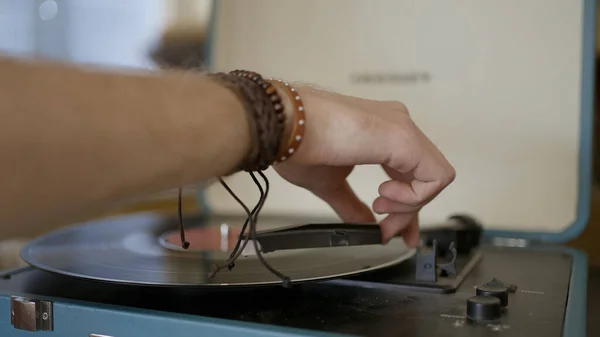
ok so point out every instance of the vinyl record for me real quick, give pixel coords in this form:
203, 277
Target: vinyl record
142, 249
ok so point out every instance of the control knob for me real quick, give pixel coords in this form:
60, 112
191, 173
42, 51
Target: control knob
483, 308
499, 292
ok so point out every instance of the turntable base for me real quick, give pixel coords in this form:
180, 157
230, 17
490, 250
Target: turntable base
548, 299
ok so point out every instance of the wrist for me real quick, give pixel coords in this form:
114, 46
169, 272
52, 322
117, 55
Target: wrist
265, 114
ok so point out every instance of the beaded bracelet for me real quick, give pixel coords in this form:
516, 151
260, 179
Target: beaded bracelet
269, 91
298, 126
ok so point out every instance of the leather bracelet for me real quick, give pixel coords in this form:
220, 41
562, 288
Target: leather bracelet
275, 99
270, 91
298, 123
265, 112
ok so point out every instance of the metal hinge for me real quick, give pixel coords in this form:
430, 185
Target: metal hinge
30, 314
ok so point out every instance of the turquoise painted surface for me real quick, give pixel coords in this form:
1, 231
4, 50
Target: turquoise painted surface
78, 319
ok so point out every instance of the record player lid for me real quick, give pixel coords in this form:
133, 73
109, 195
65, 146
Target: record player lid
501, 88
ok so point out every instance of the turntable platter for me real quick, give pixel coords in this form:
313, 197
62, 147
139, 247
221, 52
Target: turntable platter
130, 249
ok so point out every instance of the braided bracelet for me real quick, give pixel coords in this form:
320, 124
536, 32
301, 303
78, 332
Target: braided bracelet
271, 92
298, 124
267, 123
266, 117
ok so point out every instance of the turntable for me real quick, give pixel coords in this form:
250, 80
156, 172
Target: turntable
512, 111
121, 277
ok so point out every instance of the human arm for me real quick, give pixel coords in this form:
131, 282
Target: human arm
74, 142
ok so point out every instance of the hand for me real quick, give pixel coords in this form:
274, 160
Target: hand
342, 132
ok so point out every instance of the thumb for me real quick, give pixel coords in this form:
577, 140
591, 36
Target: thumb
346, 204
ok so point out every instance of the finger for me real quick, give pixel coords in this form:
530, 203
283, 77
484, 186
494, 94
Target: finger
410, 233
383, 205
395, 224
347, 205
414, 194
397, 175
429, 177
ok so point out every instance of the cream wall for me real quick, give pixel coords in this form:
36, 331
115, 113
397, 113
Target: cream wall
188, 12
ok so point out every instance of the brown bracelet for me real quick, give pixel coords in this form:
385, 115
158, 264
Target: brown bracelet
273, 95
265, 112
298, 124
270, 90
